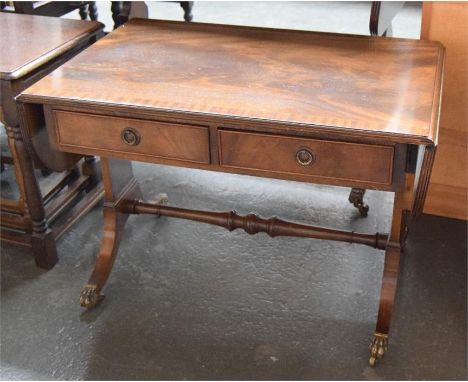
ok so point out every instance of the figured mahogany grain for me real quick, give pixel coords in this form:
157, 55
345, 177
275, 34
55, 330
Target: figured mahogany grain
385, 87
156, 139
331, 159
27, 42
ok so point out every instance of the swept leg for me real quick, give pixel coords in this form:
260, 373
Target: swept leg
119, 184
379, 343
356, 196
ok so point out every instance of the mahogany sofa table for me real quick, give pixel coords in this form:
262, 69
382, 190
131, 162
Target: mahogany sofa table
350, 111
30, 48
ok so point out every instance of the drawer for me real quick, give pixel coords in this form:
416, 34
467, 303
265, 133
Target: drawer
115, 135
308, 157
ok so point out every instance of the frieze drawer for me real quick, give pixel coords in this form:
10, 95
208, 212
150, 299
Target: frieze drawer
355, 162
118, 136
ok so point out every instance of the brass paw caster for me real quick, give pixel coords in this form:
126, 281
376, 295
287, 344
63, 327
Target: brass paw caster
90, 297
356, 197
378, 347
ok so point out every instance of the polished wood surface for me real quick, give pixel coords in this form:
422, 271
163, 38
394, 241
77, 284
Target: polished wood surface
51, 8
39, 217
154, 139
448, 189
303, 106
28, 42
326, 159
354, 83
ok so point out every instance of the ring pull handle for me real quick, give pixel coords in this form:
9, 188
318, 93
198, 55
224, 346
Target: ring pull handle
130, 136
305, 157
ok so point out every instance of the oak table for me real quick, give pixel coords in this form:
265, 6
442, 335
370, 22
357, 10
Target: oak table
30, 48
343, 110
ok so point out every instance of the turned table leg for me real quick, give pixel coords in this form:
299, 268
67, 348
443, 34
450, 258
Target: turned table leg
92, 10
187, 7
18, 170
393, 251
42, 238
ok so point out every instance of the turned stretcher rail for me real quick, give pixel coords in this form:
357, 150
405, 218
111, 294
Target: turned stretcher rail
253, 224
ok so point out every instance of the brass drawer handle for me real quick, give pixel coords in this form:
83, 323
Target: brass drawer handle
130, 136
305, 157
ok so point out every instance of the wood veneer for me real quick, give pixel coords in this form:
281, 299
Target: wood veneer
31, 41
304, 106
32, 47
316, 80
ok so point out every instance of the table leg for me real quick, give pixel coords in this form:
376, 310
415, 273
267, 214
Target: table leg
42, 238
18, 170
187, 7
83, 11
119, 184
92, 10
393, 252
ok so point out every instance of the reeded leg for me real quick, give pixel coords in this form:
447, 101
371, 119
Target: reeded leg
356, 197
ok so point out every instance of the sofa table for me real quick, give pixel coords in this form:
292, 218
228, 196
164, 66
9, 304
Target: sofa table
30, 48
342, 110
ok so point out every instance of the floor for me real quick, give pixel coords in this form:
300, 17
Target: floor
189, 301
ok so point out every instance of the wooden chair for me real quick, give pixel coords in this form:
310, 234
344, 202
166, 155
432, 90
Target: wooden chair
51, 8
121, 11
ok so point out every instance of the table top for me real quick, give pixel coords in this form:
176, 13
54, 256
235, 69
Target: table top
27, 42
381, 86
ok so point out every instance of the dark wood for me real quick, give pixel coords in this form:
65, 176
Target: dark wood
52, 8
332, 109
121, 11
187, 6
356, 197
33, 46
423, 176
47, 38
331, 159
153, 139
382, 15
119, 185
253, 224
42, 241
315, 75
396, 240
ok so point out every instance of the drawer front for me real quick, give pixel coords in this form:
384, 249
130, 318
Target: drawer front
308, 157
132, 136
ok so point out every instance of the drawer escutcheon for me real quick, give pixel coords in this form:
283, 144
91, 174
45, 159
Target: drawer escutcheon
305, 157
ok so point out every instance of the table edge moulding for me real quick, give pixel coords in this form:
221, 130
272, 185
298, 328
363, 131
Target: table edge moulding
159, 126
